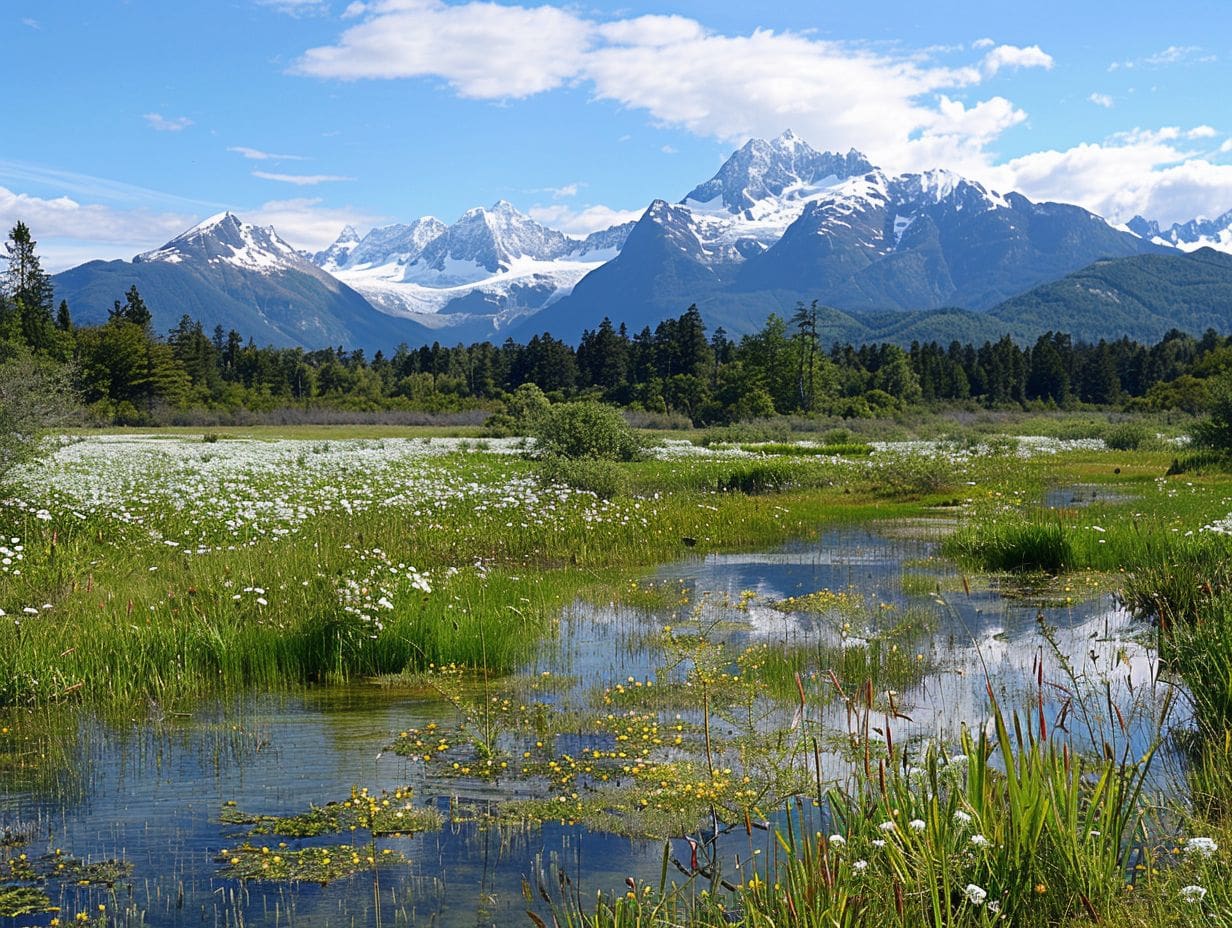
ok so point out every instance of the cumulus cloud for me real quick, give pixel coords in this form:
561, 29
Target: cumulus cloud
307, 224
1014, 58
1226, 146
1102, 99
591, 218
1143, 172
301, 180
69, 232
483, 50
728, 87
255, 154
906, 111
160, 123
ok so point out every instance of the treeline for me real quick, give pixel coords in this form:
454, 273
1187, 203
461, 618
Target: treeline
127, 373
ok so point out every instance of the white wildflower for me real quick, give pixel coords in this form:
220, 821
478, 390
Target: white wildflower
1193, 893
1201, 847
916, 824
975, 894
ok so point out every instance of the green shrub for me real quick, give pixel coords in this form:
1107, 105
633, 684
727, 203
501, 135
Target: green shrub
35, 396
524, 407
585, 430
602, 477
1215, 432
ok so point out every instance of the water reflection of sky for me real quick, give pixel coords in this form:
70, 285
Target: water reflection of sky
151, 792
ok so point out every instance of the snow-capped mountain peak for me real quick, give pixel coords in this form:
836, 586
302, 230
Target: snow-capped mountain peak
1187, 236
763, 169
225, 239
336, 255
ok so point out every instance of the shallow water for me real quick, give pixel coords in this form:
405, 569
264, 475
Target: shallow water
150, 791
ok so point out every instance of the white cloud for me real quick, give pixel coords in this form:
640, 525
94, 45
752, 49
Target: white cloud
31, 23
655, 31
69, 232
483, 50
255, 154
835, 94
161, 123
1173, 54
564, 192
297, 7
1015, 58
306, 224
301, 180
592, 218
1201, 132
983, 43
1142, 172
1102, 99
1226, 146
354, 9
668, 150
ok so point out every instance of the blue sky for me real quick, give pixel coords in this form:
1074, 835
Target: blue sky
138, 118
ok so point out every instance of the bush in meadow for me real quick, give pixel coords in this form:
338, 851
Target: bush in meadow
585, 430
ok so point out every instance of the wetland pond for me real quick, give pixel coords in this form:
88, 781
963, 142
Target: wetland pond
684, 690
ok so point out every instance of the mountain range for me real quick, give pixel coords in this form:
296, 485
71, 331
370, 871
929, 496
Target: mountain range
224, 272
779, 223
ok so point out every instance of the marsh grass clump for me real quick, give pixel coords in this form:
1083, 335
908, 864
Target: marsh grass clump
1128, 436
756, 479
910, 476
1013, 545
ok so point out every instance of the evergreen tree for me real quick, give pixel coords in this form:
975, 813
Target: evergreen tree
29, 291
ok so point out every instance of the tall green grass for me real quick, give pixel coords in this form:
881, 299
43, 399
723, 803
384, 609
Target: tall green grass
132, 617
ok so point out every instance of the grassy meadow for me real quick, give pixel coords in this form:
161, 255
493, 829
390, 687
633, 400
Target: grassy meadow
169, 570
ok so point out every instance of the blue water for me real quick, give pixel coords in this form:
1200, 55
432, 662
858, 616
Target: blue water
150, 791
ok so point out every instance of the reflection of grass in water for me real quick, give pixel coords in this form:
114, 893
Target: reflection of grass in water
38, 749
916, 585
894, 659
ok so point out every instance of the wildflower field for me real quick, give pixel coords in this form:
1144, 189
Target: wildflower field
370, 680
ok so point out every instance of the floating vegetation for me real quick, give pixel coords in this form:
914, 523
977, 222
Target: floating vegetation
387, 813
62, 867
16, 901
823, 601
306, 865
